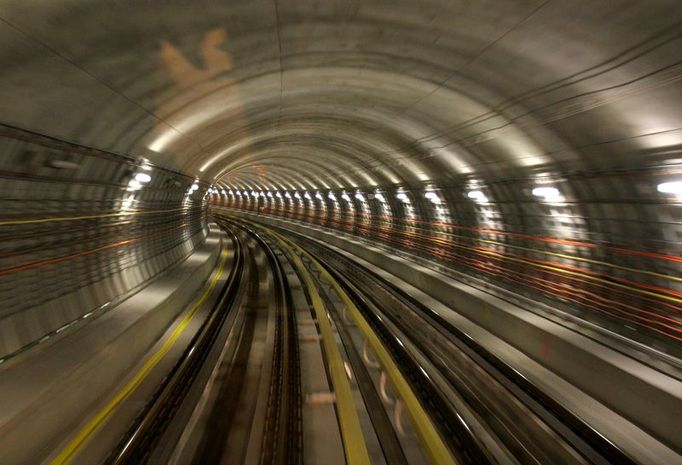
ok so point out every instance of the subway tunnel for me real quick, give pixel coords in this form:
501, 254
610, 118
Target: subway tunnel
340, 232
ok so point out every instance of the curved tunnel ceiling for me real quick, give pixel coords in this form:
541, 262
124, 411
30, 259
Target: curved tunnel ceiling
347, 94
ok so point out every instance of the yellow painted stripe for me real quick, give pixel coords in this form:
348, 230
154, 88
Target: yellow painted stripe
433, 443
73, 447
86, 217
349, 422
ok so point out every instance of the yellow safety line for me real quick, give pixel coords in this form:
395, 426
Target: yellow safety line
433, 443
351, 431
73, 447
86, 217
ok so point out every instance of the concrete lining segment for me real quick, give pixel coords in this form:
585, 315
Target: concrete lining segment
23, 329
43, 395
545, 352
184, 89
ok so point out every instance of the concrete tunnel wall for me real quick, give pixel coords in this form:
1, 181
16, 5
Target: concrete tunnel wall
79, 234
543, 250
479, 103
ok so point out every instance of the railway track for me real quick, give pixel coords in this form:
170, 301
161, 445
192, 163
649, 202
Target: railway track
282, 438
525, 425
406, 386
425, 436
152, 437
139, 443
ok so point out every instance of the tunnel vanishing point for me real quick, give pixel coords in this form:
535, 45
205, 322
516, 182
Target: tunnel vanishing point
340, 232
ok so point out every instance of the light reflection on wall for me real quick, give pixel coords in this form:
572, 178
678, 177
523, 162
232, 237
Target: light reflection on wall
347, 212
558, 215
335, 213
488, 218
128, 203
299, 206
381, 215
440, 224
406, 218
363, 215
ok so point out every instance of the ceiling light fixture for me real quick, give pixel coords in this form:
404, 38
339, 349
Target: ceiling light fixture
477, 195
433, 197
671, 187
548, 193
143, 178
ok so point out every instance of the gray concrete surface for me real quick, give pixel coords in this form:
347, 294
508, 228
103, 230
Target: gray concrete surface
646, 397
47, 392
361, 97
372, 96
379, 91
29, 326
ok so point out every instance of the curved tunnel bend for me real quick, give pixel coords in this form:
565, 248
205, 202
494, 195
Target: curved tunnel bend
506, 174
